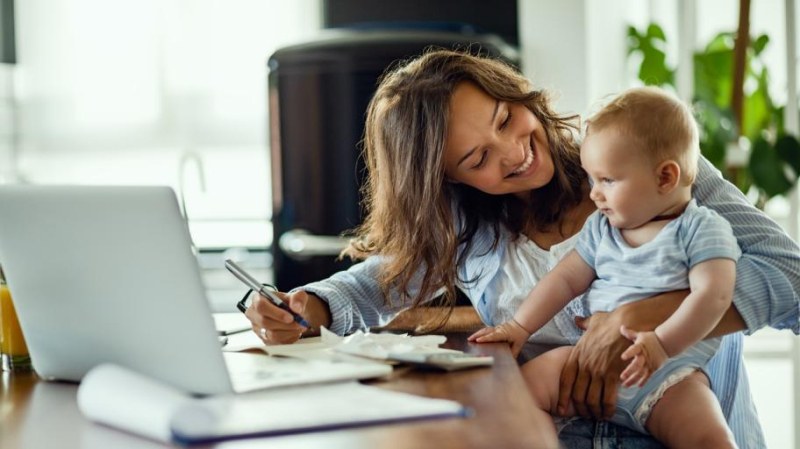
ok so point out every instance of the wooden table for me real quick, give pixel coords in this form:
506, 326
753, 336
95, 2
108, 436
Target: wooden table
37, 414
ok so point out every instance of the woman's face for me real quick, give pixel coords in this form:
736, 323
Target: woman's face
495, 146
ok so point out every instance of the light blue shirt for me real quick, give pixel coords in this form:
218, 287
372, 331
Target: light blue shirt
626, 273
766, 293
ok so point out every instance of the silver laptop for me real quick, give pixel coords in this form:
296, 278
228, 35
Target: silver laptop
107, 274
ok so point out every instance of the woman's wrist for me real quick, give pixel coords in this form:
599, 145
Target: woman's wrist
317, 313
647, 314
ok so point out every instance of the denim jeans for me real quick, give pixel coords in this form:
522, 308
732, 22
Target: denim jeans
588, 434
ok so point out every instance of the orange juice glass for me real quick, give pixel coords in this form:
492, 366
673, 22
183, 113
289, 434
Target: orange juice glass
13, 350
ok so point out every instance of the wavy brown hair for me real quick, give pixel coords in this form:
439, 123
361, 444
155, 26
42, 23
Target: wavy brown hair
412, 209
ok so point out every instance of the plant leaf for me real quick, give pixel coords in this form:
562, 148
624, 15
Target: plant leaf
760, 43
788, 149
655, 31
767, 169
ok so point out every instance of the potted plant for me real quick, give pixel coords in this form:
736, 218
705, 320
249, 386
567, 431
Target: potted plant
757, 154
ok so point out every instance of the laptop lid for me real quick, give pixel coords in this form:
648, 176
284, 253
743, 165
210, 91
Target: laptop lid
106, 274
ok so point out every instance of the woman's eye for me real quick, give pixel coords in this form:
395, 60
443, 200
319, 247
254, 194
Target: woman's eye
506, 121
607, 180
481, 162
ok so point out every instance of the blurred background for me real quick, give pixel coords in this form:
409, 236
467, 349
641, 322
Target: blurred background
252, 109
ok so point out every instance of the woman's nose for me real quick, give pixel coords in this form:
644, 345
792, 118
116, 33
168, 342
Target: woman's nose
513, 152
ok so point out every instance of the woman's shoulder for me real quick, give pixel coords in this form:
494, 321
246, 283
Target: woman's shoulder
698, 218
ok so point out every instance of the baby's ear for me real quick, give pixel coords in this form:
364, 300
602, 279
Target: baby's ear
669, 176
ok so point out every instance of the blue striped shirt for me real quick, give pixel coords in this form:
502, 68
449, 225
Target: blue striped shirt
766, 293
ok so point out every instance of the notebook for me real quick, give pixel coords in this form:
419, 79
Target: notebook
103, 274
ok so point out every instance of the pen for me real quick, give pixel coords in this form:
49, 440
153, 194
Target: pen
263, 291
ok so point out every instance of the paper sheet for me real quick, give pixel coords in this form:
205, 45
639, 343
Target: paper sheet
330, 346
303, 409
126, 400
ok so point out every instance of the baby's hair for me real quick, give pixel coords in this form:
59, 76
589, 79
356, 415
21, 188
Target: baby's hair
661, 124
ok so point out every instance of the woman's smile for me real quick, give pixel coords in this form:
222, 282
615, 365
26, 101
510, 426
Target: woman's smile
527, 167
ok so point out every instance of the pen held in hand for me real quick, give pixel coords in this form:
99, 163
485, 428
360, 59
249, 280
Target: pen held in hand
251, 282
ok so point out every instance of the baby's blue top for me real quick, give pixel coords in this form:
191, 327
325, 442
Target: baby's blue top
626, 273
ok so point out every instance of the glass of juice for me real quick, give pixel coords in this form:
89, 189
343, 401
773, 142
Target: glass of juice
13, 350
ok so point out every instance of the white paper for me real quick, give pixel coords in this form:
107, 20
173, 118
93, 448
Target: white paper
359, 345
231, 322
379, 346
302, 409
121, 398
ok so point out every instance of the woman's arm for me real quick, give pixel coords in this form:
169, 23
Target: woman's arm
345, 302
590, 377
767, 291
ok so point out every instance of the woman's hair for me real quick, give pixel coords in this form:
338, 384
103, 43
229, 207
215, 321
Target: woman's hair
661, 124
411, 218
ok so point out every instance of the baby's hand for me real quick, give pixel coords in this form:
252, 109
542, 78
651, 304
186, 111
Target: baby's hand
510, 331
647, 353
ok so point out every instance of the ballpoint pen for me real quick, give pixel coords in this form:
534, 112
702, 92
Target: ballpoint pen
263, 291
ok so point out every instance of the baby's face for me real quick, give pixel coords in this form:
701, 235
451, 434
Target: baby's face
624, 180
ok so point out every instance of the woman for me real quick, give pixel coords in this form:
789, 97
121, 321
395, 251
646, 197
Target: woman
475, 183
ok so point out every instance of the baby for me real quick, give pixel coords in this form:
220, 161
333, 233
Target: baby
647, 237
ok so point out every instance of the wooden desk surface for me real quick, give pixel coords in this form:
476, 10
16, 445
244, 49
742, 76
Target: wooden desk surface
36, 414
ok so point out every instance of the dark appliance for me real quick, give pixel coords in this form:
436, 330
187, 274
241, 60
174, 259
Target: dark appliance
318, 94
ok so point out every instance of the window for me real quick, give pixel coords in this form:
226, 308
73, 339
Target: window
168, 92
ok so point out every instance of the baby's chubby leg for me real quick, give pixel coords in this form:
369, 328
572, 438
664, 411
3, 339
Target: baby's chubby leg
542, 376
688, 415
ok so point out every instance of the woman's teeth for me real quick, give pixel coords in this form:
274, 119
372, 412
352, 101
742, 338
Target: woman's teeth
526, 164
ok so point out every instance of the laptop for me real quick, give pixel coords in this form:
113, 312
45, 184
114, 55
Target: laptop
106, 274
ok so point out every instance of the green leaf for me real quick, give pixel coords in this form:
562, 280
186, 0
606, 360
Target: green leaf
714, 76
756, 114
722, 41
788, 148
713, 148
767, 169
654, 70
656, 32
760, 43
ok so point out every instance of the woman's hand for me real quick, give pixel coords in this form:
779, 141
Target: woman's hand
510, 331
590, 377
273, 325
648, 355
